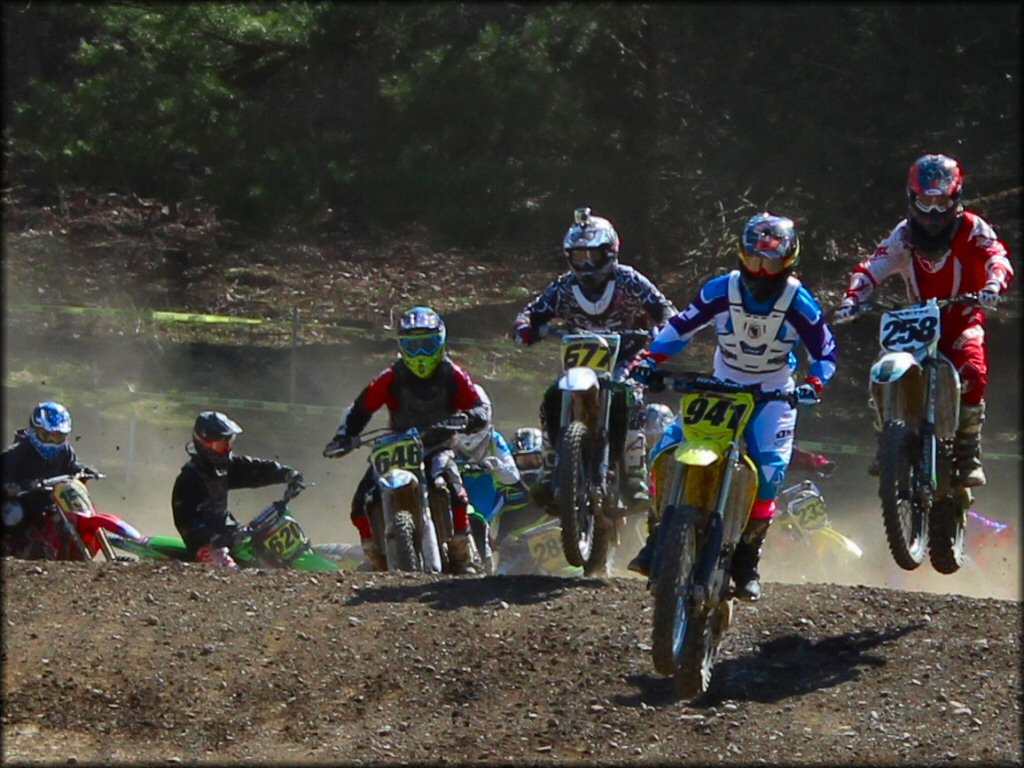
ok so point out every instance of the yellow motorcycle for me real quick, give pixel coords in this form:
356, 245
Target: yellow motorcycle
705, 487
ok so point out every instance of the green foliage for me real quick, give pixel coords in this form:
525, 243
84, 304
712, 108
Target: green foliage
482, 121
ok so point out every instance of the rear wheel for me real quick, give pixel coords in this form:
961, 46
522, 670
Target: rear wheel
575, 463
906, 524
946, 534
672, 587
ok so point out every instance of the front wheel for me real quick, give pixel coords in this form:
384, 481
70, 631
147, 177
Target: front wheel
444, 528
946, 534
575, 465
404, 532
906, 524
672, 586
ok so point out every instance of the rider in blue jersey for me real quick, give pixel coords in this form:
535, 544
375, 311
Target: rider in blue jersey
760, 313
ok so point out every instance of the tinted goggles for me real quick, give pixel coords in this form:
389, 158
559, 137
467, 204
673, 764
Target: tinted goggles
52, 438
595, 258
762, 265
933, 203
417, 346
220, 446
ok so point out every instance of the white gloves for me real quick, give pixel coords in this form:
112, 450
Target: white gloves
988, 297
845, 312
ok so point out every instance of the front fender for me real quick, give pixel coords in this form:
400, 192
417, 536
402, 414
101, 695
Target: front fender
396, 478
893, 366
578, 380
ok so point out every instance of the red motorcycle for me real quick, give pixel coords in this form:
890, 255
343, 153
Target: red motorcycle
70, 528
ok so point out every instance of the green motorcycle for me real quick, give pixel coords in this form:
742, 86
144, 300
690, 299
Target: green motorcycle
273, 539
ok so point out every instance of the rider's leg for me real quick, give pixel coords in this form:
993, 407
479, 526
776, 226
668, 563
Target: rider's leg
633, 446
970, 357
461, 547
770, 442
542, 493
375, 559
641, 563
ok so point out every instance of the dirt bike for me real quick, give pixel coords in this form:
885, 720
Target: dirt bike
915, 393
272, 539
705, 488
802, 516
587, 478
72, 529
411, 515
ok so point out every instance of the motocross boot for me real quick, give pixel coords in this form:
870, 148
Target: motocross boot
746, 558
636, 490
219, 556
375, 560
542, 493
967, 445
641, 562
462, 553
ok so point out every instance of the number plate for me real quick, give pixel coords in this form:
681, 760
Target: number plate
907, 330
810, 513
285, 539
596, 351
715, 417
546, 549
398, 452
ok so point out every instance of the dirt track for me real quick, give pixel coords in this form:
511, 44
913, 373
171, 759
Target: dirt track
143, 663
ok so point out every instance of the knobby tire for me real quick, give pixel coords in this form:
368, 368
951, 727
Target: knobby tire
575, 462
405, 541
906, 524
677, 558
946, 534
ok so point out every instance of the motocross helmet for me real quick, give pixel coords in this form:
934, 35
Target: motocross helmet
421, 337
475, 445
657, 418
592, 247
769, 251
934, 187
48, 428
213, 437
527, 447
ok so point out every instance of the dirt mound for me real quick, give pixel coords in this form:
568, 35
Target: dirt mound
179, 663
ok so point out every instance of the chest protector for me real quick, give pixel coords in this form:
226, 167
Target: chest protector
752, 344
422, 402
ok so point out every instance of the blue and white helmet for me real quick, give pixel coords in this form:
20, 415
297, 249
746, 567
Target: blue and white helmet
48, 428
592, 247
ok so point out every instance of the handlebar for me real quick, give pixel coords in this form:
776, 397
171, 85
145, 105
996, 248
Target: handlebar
558, 331
967, 299
49, 483
457, 422
691, 381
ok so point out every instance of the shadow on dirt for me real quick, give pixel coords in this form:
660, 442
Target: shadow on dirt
490, 591
784, 667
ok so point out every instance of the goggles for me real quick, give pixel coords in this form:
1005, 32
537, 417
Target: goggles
416, 346
933, 203
762, 265
52, 438
588, 257
528, 461
219, 446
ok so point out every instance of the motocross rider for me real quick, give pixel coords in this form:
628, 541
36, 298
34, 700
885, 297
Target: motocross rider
490, 471
942, 250
421, 388
760, 312
199, 499
596, 294
39, 452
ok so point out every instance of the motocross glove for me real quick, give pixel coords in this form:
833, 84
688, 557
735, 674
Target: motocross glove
988, 297
846, 311
642, 370
294, 477
524, 334
340, 445
809, 393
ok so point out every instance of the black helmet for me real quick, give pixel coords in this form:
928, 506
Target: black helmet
213, 437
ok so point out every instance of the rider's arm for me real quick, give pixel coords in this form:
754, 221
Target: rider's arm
505, 471
374, 396
678, 333
249, 472
988, 263
657, 306
891, 257
538, 312
466, 399
807, 318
